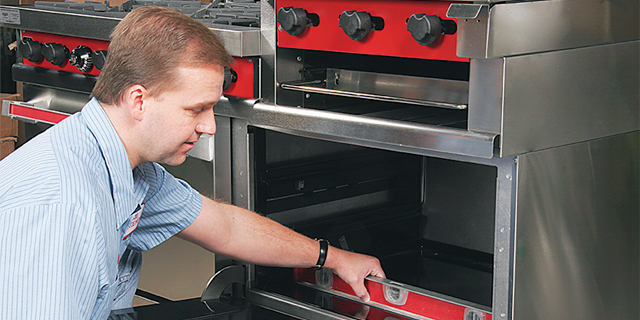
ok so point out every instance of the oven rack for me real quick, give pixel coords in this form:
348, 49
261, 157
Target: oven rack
428, 92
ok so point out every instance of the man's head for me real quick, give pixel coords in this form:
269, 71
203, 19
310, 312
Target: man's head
162, 77
148, 45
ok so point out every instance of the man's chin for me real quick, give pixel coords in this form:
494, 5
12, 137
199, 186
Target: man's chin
175, 160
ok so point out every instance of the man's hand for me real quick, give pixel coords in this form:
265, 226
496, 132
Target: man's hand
353, 268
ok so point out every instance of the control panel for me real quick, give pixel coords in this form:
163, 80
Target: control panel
408, 29
87, 56
63, 53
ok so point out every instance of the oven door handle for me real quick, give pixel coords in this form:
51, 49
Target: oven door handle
28, 112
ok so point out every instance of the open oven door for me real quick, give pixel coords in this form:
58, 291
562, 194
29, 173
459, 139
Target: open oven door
324, 297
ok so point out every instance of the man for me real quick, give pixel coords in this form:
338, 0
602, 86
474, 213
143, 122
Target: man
80, 200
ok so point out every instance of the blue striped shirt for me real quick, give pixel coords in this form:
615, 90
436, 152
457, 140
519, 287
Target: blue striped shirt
67, 199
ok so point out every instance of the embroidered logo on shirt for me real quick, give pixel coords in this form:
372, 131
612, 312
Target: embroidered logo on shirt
133, 225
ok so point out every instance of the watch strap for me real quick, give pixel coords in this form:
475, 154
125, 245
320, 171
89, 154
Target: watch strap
322, 258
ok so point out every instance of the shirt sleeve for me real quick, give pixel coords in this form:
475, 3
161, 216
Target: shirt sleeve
171, 206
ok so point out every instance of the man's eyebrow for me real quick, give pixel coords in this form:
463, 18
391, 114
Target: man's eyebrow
203, 105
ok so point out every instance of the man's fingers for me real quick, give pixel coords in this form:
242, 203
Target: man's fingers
378, 273
361, 291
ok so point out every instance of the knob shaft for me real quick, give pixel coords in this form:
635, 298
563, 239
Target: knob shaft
427, 29
55, 53
98, 58
30, 49
81, 58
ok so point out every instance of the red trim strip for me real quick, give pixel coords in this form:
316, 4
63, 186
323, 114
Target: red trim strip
37, 114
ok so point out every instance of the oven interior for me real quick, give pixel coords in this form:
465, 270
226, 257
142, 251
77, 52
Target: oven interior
429, 220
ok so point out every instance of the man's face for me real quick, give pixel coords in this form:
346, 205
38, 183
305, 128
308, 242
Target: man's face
178, 116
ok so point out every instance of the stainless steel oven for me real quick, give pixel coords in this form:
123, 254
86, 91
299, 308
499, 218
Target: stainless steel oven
486, 151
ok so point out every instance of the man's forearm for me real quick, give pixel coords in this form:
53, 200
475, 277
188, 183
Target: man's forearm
247, 236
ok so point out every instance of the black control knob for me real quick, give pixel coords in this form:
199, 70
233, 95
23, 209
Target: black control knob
55, 53
99, 57
295, 20
358, 24
81, 58
230, 76
30, 49
427, 29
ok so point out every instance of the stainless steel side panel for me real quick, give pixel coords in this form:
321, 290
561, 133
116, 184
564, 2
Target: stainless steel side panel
486, 90
508, 29
577, 238
556, 98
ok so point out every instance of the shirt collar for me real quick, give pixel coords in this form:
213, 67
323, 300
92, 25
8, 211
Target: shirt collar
115, 155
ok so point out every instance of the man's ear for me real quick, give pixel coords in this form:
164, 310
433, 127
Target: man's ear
135, 100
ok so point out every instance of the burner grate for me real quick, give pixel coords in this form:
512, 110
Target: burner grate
235, 13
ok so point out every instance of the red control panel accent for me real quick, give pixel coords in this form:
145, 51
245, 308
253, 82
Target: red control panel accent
393, 40
46, 116
244, 67
69, 42
415, 303
244, 86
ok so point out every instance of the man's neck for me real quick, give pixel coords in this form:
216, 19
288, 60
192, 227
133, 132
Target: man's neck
124, 127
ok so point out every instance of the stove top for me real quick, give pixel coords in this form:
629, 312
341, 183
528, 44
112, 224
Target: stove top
237, 22
236, 13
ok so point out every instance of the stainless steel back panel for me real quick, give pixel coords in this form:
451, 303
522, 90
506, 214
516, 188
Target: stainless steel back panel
577, 235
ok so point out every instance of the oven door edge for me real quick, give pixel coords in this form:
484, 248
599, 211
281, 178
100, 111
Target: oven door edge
361, 130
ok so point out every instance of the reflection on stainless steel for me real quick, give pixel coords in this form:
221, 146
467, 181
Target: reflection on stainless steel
402, 89
570, 101
390, 88
362, 130
578, 232
291, 306
582, 94
59, 100
510, 29
222, 279
312, 87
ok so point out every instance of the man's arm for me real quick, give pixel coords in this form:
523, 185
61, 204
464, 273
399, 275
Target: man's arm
247, 236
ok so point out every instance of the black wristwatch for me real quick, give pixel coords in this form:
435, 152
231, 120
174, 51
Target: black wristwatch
324, 247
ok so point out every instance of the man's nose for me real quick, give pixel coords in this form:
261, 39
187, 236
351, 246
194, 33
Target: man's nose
208, 123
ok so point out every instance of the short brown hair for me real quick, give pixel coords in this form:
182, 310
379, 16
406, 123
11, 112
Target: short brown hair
148, 45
